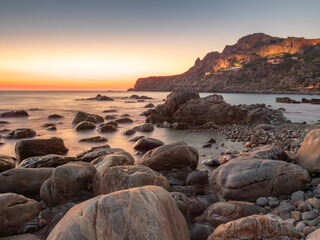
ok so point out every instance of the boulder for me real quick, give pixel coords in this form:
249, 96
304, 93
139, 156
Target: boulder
183, 204
200, 231
107, 128
256, 227
98, 152
314, 235
308, 155
96, 139
124, 120
136, 138
118, 178
138, 213
85, 125
175, 155
129, 132
6, 163
24, 181
68, 182
178, 97
146, 127
146, 144
82, 116
15, 211
55, 116
265, 152
50, 160
18, 113
38, 147
149, 105
113, 159
20, 133
223, 212
248, 179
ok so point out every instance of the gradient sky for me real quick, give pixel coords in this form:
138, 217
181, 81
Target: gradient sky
101, 44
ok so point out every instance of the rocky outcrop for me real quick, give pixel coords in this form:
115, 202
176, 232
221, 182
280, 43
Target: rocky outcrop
83, 116
20, 133
256, 227
248, 179
68, 182
38, 147
50, 160
198, 111
6, 163
15, 211
309, 153
223, 212
247, 66
167, 157
114, 216
24, 181
117, 178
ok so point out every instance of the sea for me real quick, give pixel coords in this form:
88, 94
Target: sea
41, 104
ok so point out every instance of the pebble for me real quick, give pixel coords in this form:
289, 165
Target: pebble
307, 230
300, 226
314, 202
307, 216
296, 215
304, 206
297, 196
262, 201
274, 202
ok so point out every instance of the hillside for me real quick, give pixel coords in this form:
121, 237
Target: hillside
257, 63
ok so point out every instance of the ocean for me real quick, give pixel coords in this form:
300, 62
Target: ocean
65, 104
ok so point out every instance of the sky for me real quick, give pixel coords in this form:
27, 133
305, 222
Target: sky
108, 45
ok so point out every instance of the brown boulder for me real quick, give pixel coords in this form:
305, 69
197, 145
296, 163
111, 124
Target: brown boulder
138, 213
6, 163
117, 178
114, 159
223, 212
50, 160
20, 133
178, 97
146, 144
82, 116
308, 155
248, 179
267, 227
175, 155
16, 210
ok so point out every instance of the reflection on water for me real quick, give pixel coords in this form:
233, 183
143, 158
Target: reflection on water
64, 103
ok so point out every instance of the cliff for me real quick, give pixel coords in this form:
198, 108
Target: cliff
256, 63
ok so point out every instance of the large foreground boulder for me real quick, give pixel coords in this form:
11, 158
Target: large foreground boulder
24, 181
50, 160
68, 182
223, 212
6, 163
138, 213
309, 153
117, 178
248, 179
266, 227
15, 210
38, 147
175, 155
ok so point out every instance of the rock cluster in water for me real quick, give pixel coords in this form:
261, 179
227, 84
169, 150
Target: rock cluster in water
267, 191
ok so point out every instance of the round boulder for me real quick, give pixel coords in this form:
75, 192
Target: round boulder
82, 116
146, 127
146, 144
85, 125
20, 133
114, 159
175, 155
6, 163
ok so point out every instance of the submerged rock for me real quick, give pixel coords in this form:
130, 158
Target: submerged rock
96, 139
83, 116
85, 125
18, 113
20, 133
55, 116
146, 127
114, 216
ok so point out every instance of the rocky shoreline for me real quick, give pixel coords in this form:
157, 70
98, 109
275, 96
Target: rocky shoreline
269, 190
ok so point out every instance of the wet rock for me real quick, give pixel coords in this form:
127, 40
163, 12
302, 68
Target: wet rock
55, 116
197, 178
146, 144
212, 141
107, 128
117, 178
308, 155
183, 204
47, 125
134, 96
18, 113
284, 210
124, 120
286, 100
129, 132
146, 127
114, 159
200, 231
180, 126
16, 210
223, 212
248, 179
4, 122
110, 111
52, 128
95, 152
99, 97
38, 147
83, 116
207, 145
149, 105
96, 139
116, 214
85, 125
175, 155
262, 201
6, 163
265, 152
256, 227
110, 117
24, 181
136, 138
177, 176
50, 160
21, 133
68, 182
211, 162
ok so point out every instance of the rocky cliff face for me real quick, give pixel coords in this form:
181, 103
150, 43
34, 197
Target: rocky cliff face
223, 71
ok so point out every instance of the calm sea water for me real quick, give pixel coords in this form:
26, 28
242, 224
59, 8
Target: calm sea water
64, 103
